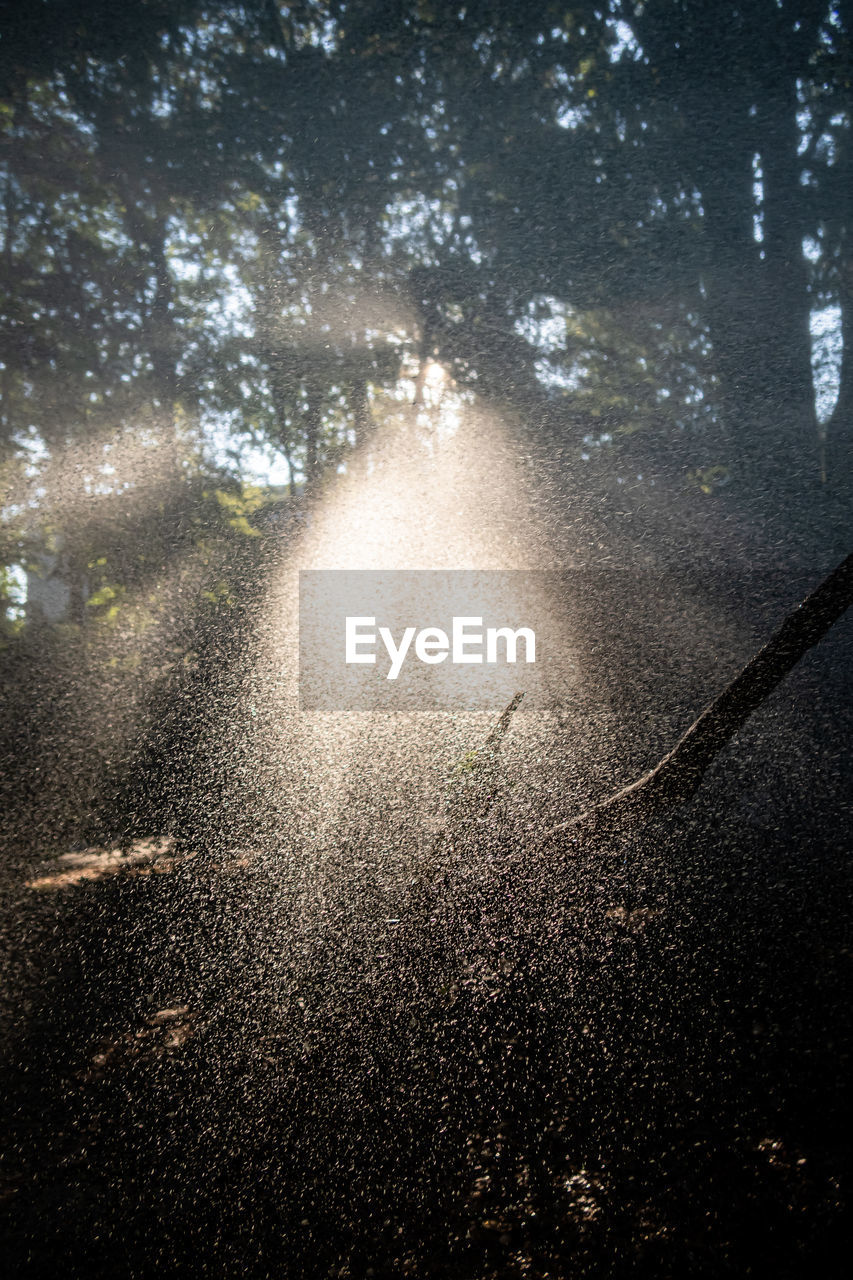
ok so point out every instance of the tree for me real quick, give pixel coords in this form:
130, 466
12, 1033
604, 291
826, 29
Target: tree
595, 216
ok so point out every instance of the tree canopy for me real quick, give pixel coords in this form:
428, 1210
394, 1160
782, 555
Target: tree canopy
621, 222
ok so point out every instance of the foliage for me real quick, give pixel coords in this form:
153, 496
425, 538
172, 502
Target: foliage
614, 220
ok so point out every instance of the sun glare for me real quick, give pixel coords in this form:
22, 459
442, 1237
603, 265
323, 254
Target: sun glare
436, 376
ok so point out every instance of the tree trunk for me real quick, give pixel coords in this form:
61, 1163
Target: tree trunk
313, 422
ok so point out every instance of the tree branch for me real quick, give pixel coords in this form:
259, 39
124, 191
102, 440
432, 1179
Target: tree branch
678, 775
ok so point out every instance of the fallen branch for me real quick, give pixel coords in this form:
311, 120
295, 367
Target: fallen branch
494, 738
678, 775
473, 781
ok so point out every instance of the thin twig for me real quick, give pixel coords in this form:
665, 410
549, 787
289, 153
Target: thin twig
503, 723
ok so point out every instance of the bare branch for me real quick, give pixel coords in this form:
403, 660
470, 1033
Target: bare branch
678, 775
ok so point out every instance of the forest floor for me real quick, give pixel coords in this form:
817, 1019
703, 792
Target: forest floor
648, 1081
